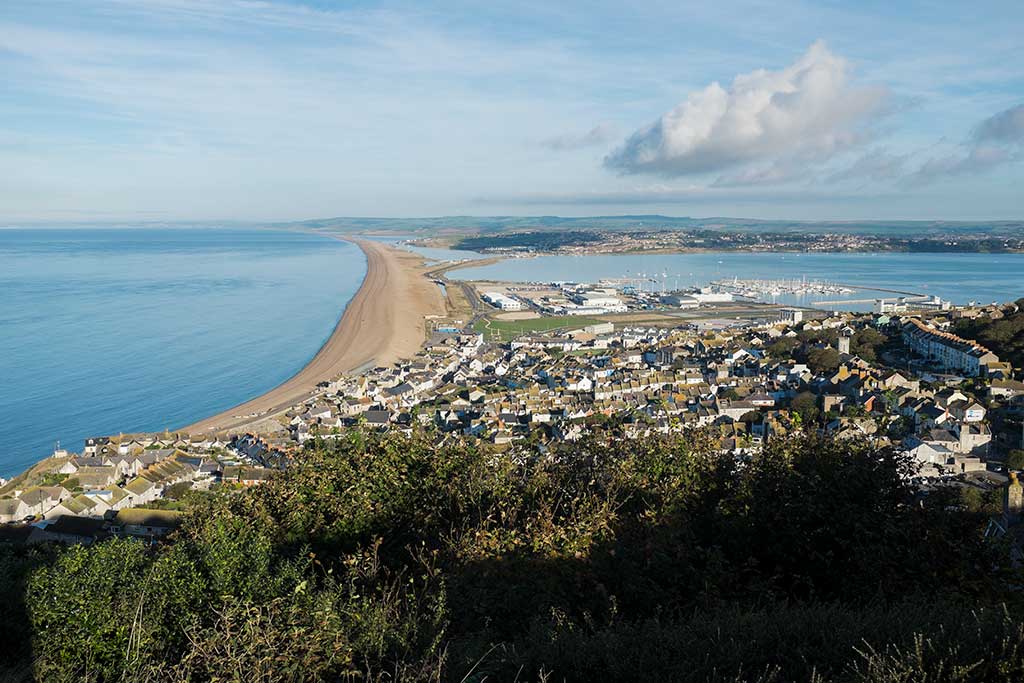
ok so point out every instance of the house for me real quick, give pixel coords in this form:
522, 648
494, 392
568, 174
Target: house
40, 499
761, 400
113, 498
246, 476
377, 418
949, 351
1010, 389
142, 491
967, 411
974, 438
143, 523
71, 530
13, 509
96, 477
95, 443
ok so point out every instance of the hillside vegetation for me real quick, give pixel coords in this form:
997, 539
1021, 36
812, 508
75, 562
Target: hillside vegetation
1004, 336
387, 558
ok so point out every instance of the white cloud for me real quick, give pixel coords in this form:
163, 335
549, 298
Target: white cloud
1006, 126
875, 165
598, 135
808, 112
664, 195
996, 141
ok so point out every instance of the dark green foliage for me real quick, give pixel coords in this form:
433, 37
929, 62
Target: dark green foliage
178, 490
823, 360
783, 348
16, 566
805, 404
867, 342
529, 241
1004, 336
1015, 459
389, 558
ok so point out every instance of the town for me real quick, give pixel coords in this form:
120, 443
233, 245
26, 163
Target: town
728, 238
904, 380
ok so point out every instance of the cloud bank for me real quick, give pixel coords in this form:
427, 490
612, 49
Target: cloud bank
598, 135
997, 140
808, 111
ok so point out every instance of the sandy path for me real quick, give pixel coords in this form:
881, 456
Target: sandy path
383, 323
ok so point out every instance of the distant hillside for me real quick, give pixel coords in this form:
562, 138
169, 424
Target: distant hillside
1004, 336
492, 224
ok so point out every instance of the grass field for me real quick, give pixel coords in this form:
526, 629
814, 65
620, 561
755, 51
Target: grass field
509, 329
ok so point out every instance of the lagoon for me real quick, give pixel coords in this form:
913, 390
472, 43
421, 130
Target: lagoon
960, 278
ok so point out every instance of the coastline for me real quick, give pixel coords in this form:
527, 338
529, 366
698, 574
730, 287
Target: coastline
382, 323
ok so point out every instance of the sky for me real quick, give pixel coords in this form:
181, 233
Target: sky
274, 110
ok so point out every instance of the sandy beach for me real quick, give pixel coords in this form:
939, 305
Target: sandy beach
383, 323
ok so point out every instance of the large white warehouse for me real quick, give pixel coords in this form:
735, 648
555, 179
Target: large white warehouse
505, 303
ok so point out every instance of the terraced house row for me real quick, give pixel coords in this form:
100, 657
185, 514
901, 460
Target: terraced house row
948, 350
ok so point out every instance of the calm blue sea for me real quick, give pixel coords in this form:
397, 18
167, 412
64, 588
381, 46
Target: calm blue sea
961, 278
111, 330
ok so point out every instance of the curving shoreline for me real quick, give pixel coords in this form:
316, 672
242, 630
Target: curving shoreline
382, 323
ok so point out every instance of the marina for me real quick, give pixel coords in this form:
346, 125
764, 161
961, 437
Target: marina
824, 280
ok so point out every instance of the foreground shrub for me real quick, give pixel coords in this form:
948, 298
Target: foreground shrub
390, 558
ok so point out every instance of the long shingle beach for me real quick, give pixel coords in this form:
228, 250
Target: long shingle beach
384, 322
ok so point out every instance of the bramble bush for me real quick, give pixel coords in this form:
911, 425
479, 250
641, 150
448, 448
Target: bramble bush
387, 557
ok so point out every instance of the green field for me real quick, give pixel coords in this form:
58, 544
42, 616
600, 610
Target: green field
510, 329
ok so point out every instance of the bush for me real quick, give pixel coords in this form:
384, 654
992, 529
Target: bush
381, 556
1015, 459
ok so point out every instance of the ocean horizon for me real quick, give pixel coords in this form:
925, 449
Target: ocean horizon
108, 330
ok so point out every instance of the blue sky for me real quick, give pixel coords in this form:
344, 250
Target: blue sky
153, 110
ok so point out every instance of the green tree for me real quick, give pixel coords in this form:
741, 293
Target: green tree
805, 404
392, 557
178, 490
866, 342
823, 360
1015, 459
783, 348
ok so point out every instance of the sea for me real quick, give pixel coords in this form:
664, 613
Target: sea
105, 331
960, 278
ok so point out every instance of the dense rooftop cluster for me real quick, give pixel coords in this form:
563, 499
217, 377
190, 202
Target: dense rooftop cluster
893, 380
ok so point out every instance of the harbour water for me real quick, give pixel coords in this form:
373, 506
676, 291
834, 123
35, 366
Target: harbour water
108, 330
960, 278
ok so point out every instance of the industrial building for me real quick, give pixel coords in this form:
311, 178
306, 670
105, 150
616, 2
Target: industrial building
502, 301
680, 301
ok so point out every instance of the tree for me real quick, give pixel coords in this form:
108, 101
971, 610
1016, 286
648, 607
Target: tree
385, 556
805, 404
867, 342
854, 410
1015, 459
178, 490
823, 360
751, 417
783, 347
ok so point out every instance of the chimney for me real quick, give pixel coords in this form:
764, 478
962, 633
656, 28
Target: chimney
1013, 500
